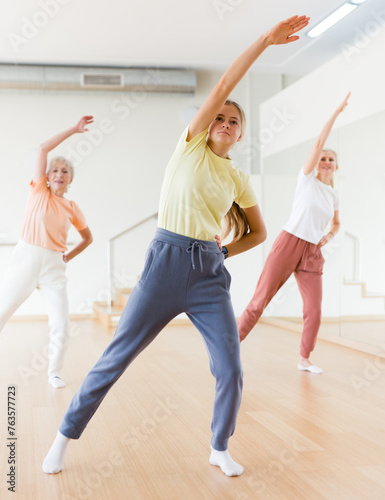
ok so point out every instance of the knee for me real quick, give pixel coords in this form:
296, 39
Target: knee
313, 313
231, 374
59, 328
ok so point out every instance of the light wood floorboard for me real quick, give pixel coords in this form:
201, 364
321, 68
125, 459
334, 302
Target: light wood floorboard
299, 436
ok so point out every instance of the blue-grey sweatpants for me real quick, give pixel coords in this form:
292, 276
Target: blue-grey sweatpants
180, 275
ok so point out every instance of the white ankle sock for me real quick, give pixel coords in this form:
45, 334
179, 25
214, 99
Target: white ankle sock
56, 382
53, 462
223, 460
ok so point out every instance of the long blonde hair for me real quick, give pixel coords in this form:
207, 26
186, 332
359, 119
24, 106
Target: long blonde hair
235, 220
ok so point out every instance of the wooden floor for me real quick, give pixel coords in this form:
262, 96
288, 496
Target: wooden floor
299, 436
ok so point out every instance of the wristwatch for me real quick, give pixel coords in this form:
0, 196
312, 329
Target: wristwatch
225, 252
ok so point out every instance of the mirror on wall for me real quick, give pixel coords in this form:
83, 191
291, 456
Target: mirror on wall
280, 174
362, 187
354, 271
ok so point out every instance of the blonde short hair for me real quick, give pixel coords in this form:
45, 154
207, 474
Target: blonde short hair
335, 154
63, 161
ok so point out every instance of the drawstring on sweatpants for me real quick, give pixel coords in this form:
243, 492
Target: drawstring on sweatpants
201, 247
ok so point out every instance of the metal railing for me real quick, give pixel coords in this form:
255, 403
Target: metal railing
357, 257
110, 249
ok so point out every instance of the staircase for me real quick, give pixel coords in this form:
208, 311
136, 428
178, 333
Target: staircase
371, 307
109, 316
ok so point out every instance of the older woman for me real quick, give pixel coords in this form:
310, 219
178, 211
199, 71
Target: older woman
40, 258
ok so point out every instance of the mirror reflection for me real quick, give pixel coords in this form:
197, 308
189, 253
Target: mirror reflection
353, 305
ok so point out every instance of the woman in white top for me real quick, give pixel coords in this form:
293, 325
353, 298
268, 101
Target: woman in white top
297, 248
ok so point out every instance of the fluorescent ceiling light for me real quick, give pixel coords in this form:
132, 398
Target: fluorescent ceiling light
331, 20
357, 2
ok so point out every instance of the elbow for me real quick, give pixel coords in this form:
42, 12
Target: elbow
87, 240
259, 237
262, 235
43, 150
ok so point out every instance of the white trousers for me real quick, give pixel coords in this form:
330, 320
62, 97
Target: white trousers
36, 267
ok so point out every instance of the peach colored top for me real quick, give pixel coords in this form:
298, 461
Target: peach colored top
47, 218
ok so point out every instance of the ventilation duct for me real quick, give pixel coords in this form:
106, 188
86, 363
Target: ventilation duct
81, 79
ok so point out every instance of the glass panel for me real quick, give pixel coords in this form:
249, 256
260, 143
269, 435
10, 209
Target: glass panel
280, 174
362, 152
354, 272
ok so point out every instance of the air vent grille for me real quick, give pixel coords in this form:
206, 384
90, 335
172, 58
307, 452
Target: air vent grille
102, 80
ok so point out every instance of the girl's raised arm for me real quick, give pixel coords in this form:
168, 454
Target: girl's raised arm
314, 156
47, 146
282, 33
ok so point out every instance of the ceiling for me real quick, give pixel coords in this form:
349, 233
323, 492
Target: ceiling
172, 33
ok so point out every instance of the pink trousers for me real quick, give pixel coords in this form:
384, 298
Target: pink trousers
288, 255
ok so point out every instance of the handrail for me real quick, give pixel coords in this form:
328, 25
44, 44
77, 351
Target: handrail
357, 269
109, 253
14, 243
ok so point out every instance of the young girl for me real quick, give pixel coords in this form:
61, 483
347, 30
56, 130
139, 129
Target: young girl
184, 270
38, 260
297, 248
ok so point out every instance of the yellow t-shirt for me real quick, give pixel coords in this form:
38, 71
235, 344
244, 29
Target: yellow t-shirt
199, 188
48, 217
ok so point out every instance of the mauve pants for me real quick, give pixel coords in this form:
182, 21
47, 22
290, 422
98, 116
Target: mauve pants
288, 255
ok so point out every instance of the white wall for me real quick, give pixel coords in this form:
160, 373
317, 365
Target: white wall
295, 114
119, 171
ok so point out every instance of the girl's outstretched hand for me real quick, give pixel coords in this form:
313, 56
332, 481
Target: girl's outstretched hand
343, 104
283, 32
82, 123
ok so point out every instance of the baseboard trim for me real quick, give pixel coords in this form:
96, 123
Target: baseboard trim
343, 341
44, 317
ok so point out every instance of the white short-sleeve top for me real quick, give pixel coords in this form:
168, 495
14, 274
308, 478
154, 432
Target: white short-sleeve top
313, 208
